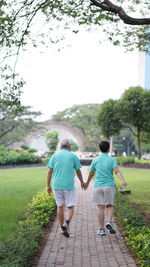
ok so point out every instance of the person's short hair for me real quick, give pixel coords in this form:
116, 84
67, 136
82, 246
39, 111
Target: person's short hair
64, 143
104, 146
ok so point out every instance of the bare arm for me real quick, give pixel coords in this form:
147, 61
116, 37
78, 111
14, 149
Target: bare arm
49, 177
120, 176
91, 174
79, 174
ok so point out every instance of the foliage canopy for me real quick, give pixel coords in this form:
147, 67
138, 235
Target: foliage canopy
128, 19
83, 117
16, 122
131, 110
27, 22
52, 139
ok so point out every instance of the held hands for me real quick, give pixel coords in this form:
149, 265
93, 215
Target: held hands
84, 185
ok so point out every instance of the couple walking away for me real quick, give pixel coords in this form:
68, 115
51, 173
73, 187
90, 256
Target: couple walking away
62, 167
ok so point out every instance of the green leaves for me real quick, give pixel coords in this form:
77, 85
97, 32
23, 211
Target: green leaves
136, 233
41, 208
74, 145
83, 117
52, 139
22, 246
108, 119
131, 110
134, 109
17, 18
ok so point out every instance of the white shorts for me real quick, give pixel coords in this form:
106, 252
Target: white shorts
104, 195
67, 197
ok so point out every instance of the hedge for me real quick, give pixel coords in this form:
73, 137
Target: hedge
24, 242
15, 158
136, 233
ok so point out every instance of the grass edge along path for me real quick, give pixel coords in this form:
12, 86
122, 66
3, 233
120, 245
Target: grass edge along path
30, 230
20, 249
18, 186
138, 182
136, 233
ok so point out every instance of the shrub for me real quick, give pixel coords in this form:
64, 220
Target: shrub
8, 158
14, 158
24, 147
22, 246
31, 150
136, 233
125, 160
2, 148
142, 161
139, 240
25, 158
41, 208
125, 212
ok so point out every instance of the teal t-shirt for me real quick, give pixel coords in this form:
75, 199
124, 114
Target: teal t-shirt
64, 163
103, 165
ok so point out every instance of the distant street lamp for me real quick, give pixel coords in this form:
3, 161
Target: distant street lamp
111, 145
127, 145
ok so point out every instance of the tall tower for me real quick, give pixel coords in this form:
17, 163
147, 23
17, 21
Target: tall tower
144, 68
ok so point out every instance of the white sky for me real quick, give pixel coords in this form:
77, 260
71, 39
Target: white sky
87, 72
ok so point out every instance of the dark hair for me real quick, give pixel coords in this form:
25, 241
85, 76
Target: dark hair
104, 146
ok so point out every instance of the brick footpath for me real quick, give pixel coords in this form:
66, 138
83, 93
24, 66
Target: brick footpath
84, 248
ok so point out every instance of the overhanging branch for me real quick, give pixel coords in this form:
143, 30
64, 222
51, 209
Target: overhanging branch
107, 5
6, 132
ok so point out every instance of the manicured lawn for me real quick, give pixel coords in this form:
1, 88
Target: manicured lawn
17, 187
139, 183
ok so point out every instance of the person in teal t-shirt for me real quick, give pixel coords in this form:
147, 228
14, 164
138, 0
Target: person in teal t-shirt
104, 186
62, 167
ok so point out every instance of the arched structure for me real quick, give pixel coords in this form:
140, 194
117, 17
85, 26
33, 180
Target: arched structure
37, 140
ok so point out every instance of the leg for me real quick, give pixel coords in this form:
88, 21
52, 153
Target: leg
109, 212
109, 225
101, 215
69, 213
60, 214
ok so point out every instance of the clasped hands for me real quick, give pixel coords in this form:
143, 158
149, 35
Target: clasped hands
84, 185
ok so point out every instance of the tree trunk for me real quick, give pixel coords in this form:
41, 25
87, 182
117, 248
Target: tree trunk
139, 144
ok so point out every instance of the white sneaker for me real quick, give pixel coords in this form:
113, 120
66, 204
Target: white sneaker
101, 232
60, 231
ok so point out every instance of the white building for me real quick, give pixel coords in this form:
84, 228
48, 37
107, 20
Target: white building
144, 68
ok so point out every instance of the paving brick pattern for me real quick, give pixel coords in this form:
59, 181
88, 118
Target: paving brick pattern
84, 248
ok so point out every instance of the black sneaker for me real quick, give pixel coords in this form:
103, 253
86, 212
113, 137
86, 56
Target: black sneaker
65, 230
111, 228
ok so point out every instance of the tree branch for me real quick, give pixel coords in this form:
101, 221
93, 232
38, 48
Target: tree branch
107, 5
127, 126
6, 132
46, 3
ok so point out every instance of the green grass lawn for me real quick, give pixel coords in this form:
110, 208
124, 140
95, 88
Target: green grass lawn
17, 187
139, 183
